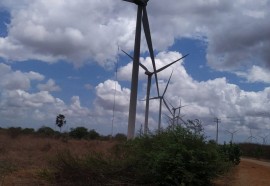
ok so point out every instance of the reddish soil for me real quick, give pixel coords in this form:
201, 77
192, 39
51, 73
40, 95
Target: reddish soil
249, 172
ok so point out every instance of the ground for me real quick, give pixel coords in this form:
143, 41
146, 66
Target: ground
23, 158
249, 172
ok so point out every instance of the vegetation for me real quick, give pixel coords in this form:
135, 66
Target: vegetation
170, 157
255, 150
60, 121
173, 156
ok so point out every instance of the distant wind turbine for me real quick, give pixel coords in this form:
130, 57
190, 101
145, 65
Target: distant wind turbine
161, 98
232, 134
149, 78
174, 112
141, 18
251, 136
264, 139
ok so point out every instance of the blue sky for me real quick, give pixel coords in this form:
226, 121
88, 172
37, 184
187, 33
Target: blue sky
59, 57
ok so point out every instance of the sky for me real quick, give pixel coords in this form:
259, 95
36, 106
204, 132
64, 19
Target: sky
60, 57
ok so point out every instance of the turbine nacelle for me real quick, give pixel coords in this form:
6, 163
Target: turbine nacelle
138, 2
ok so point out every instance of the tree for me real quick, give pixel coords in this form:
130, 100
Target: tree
60, 121
93, 134
79, 132
46, 131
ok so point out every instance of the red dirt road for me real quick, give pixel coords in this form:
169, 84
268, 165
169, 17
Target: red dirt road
249, 172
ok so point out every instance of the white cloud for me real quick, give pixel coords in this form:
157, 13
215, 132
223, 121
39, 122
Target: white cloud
236, 31
49, 86
13, 80
256, 74
205, 100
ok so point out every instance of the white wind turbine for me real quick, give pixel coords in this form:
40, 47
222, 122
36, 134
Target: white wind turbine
174, 113
251, 136
161, 98
232, 134
264, 139
141, 18
149, 78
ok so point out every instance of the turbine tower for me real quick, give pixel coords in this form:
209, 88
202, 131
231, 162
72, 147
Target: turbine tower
149, 78
141, 18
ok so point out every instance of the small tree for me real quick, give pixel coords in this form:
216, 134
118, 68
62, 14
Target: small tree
60, 121
79, 132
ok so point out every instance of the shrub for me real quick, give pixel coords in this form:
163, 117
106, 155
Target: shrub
120, 137
14, 132
93, 134
28, 131
232, 152
78, 132
175, 157
46, 131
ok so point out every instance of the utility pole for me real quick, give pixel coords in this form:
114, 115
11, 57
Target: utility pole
217, 120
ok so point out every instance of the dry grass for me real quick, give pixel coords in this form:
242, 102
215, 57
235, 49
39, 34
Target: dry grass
24, 156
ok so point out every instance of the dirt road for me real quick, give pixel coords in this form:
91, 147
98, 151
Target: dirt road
249, 172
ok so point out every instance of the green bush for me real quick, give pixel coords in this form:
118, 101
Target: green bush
93, 134
79, 133
120, 137
14, 132
232, 152
46, 131
175, 157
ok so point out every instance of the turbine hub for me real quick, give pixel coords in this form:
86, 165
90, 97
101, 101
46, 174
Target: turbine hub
139, 2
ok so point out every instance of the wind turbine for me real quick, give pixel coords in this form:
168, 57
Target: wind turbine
232, 133
264, 139
251, 136
161, 98
141, 18
149, 78
174, 111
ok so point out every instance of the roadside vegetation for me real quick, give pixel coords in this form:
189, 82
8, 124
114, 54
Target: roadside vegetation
258, 151
173, 156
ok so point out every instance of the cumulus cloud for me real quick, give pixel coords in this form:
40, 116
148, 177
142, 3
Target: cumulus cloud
76, 32
13, 80
256, 74
49, 86
236, 32
204, 100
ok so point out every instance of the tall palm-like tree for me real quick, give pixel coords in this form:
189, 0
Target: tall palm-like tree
60, 121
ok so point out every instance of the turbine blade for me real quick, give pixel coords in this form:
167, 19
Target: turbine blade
167, 84
141, 65
166, 66
127, 54
167, 106
131, 1
169, 103
149, 43
158, 97
138, 2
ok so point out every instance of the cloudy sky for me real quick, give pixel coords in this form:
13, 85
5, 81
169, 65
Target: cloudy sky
60, 57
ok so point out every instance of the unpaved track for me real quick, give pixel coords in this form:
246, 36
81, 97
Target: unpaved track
249, 172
